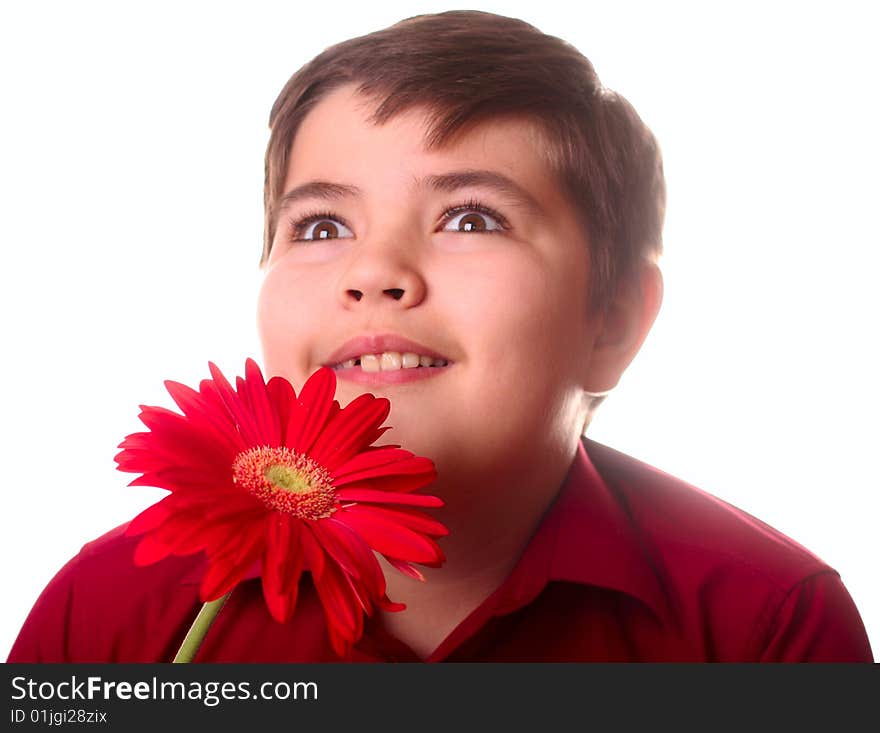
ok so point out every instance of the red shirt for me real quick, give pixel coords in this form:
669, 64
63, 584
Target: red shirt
629, 564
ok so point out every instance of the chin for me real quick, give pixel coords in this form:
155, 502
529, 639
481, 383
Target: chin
423, 440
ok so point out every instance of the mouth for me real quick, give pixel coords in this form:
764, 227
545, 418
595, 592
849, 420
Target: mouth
391, 361
386, 359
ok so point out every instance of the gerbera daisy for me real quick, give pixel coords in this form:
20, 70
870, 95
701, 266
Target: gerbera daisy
259, 475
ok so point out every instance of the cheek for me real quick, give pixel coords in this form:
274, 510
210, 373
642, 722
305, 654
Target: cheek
285, 311
530, 334
523, 310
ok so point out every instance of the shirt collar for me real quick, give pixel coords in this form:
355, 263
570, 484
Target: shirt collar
586, 537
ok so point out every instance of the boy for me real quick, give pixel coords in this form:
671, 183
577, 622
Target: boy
460, 218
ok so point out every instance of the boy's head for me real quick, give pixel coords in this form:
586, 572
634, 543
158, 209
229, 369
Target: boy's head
464, 181
464, 67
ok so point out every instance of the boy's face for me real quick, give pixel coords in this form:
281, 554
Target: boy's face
502, 297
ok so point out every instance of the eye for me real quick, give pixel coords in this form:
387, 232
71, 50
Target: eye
318, 226
473, 217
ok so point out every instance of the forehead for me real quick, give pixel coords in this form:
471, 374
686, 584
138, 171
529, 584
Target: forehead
339, 141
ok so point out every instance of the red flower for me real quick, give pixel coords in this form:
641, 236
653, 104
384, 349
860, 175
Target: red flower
259, 475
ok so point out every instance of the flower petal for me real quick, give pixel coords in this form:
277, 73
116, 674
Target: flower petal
368, 464
181, 478
315, 406
405, 568
214, 531
266, 419
283, 397
387, 497
172, 445
406, 476
150, 550
226, 571
341, 609
351, 553
282, 566
204, 416
393, 539
392, 484
314, 555
414, 520
150, 518
169, 427
351, 430
245, 422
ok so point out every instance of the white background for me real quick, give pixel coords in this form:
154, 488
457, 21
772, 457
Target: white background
131, 165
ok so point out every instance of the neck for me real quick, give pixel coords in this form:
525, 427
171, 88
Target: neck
490, 524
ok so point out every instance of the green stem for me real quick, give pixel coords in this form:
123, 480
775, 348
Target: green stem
199, 629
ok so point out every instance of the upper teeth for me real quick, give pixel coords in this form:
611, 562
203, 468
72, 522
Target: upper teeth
391, 360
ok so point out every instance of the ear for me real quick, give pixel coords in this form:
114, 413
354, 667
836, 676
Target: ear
624, 329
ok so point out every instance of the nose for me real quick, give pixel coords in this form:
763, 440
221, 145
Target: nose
383, 274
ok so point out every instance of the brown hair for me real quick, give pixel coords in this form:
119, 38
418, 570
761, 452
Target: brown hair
464, 67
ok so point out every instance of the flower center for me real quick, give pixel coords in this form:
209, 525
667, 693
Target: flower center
286, 481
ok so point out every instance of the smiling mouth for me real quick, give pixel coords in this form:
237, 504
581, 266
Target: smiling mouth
391, 361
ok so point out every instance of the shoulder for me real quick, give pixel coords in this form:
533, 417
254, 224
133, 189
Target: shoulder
105, 568
113, 551
99, 606
734, 588
680, 520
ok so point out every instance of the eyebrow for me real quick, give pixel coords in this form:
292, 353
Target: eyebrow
446, 182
